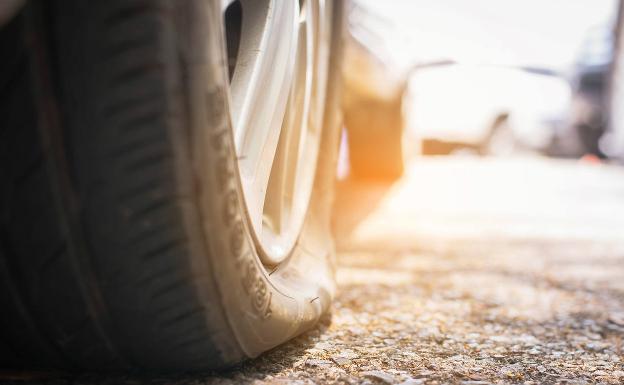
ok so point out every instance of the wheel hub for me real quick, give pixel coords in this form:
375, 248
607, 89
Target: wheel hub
277, 91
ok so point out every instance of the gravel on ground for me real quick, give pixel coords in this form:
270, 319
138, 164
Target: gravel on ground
467, 271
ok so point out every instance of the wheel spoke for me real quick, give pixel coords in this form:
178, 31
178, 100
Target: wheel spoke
279, 193
260, 88
225, 4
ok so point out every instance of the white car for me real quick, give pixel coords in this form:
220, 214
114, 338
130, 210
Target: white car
489, 109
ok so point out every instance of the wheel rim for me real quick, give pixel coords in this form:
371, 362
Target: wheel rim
275, 73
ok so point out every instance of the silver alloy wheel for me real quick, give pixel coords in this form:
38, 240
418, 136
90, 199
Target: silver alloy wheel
279, 61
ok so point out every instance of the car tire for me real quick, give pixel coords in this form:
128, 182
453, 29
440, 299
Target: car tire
126, 240
374, 129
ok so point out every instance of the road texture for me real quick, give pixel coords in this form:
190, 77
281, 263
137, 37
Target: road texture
468, 271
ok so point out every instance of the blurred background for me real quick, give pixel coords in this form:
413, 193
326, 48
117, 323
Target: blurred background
493, 122
482, 188
482, 78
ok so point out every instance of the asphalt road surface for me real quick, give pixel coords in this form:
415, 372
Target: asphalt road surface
467, 271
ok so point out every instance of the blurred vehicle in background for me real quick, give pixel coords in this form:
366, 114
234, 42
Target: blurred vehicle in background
612, 143
488, 110
374, 85
588, 116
